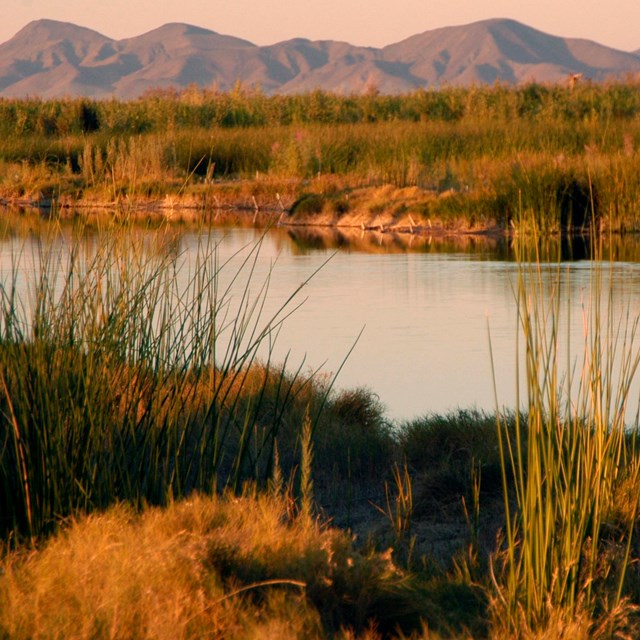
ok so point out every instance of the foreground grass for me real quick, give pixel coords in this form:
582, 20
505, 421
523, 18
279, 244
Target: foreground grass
256, 564
128, 374
157, 476
241, 567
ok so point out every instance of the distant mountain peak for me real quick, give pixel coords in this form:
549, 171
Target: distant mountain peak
177, 28
54, 29
50, 58
189, 29
183, 30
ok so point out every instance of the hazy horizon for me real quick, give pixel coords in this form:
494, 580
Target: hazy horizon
376, 23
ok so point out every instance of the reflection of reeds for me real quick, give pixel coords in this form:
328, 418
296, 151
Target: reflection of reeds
306, 239
571, 457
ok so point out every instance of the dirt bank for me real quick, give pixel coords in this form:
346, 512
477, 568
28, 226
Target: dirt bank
319, 203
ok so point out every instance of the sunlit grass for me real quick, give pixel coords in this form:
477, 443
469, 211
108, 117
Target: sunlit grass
565, 466
501, 156
202, 568
157, 478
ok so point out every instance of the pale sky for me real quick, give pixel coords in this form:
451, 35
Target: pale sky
362, 22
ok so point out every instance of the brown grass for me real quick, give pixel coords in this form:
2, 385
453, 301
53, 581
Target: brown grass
240, 567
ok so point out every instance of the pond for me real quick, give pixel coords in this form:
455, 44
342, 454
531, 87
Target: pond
407, 318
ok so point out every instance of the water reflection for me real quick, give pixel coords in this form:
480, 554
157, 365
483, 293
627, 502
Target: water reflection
423, 304
308, 239
493, 247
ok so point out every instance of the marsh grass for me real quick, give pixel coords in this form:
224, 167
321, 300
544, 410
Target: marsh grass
202, 568
226, 566
128, 377
565, 464
398, 511
127, 374
500, 152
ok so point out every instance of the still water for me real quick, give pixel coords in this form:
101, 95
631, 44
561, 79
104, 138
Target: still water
410, 320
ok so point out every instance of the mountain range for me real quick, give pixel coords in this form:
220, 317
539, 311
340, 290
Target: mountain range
54, 59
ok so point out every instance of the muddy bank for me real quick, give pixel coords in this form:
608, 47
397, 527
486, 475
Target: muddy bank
385, 210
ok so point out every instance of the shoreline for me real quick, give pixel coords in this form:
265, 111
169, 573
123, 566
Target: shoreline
263, 211
323, 202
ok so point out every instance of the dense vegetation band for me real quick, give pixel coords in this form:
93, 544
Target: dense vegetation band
506, 157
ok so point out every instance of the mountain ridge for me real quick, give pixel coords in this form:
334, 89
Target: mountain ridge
49, 59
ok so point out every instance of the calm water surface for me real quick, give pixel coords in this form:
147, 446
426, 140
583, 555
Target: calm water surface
422, 315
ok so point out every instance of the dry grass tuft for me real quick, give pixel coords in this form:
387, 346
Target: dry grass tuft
205, 567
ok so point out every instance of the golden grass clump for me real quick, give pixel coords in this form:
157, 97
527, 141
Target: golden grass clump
206, 567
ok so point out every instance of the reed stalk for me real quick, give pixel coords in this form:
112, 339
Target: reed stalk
569, 456
128, 374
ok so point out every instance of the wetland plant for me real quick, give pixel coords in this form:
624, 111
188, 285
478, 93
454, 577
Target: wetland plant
568, 465
127, 373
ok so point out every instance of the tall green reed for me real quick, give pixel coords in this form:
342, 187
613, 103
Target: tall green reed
129, 373
566, 460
